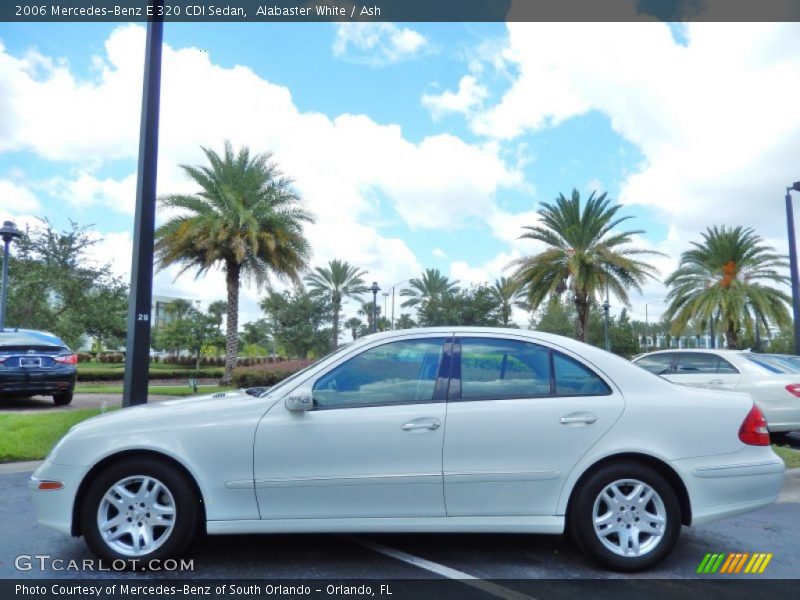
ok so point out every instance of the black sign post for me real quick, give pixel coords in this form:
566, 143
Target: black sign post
137, 347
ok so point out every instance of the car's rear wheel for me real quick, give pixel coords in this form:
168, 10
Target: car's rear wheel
62, 398
139, 509
626, 516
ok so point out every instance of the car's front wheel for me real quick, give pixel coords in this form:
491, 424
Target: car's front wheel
626, 516
139, 509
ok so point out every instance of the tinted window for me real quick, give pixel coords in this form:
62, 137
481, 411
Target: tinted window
772, 365
494, 368
696, 363
656, 363
398, 372
573, 379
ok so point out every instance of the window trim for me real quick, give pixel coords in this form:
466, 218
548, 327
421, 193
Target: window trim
440, 383
676, 361
455, 390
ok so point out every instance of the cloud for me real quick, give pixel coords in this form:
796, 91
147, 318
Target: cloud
377, 44
439, 253
716, 119
470, 95
17, 198
87, 190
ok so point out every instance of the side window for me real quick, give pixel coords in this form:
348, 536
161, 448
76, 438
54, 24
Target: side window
573, 379
496, 368
696, 363
402, 372
656, 363
723, 366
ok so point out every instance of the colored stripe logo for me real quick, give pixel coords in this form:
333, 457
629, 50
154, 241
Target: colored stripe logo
735, 562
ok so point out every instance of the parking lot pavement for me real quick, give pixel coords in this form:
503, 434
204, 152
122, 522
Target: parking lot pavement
773, 529
45, 403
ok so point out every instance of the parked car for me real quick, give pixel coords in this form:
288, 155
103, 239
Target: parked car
774, 387
423, 430
36, 363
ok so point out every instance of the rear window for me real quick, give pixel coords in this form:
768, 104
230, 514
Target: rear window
28, 338
772, 365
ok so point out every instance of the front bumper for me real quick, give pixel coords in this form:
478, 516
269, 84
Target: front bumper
54, 508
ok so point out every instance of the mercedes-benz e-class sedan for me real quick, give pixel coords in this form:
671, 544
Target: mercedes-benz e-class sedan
34, 363
424, 430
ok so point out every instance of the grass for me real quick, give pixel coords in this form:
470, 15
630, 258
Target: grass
30, 436
790, 457
154, 390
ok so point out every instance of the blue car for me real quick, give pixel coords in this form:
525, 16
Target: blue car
36, 363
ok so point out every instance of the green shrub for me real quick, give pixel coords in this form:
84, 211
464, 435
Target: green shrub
84, 357
117, 374
267, 374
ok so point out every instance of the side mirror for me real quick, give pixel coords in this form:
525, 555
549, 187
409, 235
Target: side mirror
300, 400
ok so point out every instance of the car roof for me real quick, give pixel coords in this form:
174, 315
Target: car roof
22, 337
700, 350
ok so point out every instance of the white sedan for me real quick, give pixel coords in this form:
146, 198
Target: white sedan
427, 430
773, 385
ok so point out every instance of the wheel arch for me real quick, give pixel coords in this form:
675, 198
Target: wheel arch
136, 453
664, 469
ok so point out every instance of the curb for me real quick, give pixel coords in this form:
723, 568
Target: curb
19, 467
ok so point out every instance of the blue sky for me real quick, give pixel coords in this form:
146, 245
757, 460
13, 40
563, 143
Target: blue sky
417, 145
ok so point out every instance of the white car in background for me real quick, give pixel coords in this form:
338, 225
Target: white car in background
421, 430
773, 385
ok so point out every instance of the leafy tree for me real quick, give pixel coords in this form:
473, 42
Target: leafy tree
339, 280
404, 321
55, 286
507, 294
556, 317
431, 287
354, 325
258, 333
583, 254
298, 322
725, 278
246, 220
189, 329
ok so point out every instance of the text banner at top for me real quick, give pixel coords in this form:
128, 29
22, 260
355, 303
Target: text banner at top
244, 11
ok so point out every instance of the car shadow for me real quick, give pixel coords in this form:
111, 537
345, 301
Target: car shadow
27, 403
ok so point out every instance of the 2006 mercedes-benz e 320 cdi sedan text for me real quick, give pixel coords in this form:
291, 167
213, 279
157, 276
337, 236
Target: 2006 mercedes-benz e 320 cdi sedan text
426, 430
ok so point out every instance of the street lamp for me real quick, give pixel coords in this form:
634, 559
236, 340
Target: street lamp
793, 264
8, 232
374, 289
606, 307
393, 287
646, 322
385, 299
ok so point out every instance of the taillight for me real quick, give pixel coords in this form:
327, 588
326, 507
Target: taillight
68, 359
753, 431
794, 389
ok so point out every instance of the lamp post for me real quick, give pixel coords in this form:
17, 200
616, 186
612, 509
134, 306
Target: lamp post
385, 299
374, 289
8, 232
793, 264
646, 322
393, 287
606, 307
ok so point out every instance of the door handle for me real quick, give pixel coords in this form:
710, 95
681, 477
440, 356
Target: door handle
432, 424
587, 419
716, 382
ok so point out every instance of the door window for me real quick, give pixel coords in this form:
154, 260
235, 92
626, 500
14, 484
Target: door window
659, 364
496, 368
573, 379
695, 363
402, 372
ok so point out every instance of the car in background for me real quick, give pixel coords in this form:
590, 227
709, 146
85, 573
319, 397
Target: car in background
773, 386
34, 363
460, 429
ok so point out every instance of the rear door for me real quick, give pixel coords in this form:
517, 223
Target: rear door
519, 417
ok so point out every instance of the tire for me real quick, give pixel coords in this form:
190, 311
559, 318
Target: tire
170, 514
62, 398
636, 507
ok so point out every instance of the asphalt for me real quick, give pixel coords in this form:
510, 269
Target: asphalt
45, 403
773, 529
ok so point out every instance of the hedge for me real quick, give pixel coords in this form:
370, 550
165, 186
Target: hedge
117, 375
267, 374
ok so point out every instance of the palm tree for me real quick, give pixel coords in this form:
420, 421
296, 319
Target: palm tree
354, 324
245, 220
722, 279
507, 294
432, 286
584, 254
340, 280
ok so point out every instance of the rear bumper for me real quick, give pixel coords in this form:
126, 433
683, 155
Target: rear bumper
745, 482
781, 418
19, 381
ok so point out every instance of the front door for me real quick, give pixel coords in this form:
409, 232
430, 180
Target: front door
371, 446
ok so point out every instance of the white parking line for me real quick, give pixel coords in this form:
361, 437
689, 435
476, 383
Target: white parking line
465, 578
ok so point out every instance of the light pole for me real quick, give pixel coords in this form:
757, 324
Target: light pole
385, 299
394, 286
793, 264
606, 307
8, 232
374, 289
646, 322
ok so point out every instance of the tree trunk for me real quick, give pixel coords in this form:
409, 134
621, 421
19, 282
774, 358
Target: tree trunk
337, 307
232, 333
582, 309
731, 336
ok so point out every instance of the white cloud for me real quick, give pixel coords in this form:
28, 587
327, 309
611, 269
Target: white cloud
439, 253
716, 120
17, 198
377, 44
87, 190
470, 95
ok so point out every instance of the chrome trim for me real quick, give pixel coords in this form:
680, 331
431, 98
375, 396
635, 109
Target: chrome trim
736, 470
501, 476
240, 484
412, 478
